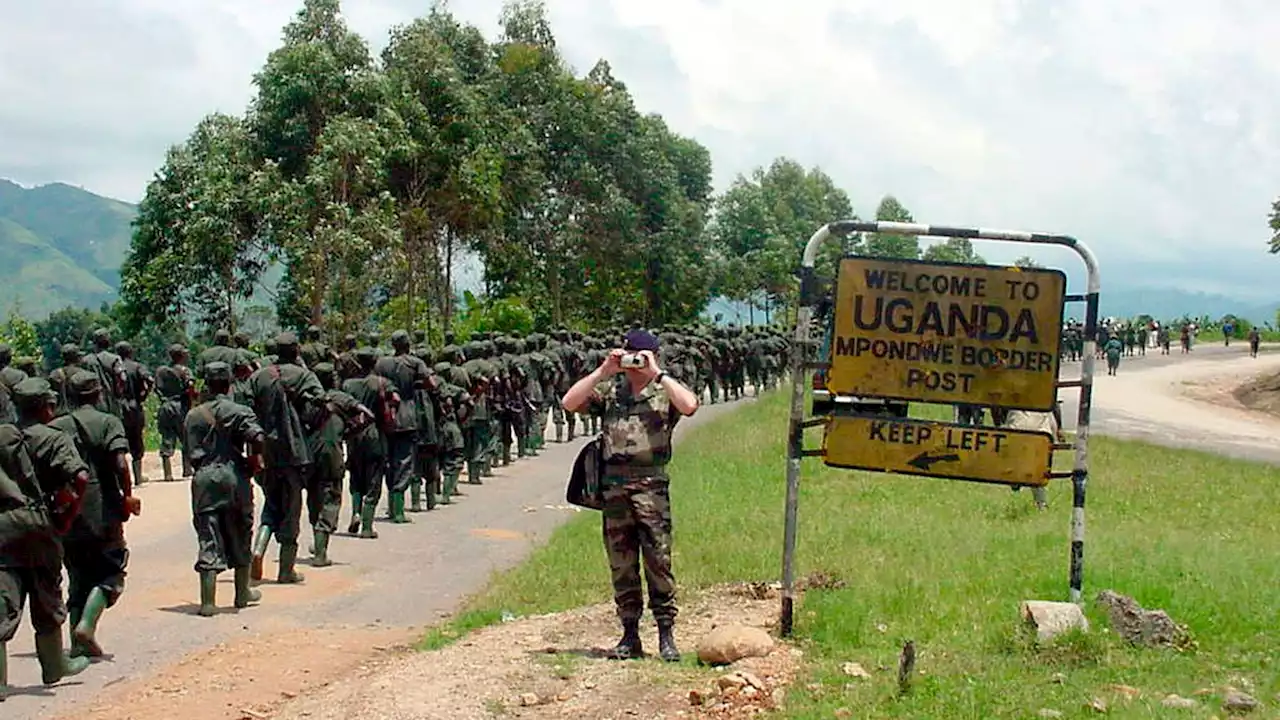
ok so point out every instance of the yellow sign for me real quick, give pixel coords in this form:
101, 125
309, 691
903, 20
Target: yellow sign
936, 449
928, 332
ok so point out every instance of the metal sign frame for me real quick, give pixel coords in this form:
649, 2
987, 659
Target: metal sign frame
801, 364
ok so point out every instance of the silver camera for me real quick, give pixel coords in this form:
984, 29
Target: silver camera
632, 361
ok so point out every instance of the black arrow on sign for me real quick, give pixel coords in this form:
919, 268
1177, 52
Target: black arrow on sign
925, 462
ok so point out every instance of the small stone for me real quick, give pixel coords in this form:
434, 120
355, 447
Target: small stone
1051, 619
1178, 702
528, 699
882, 628
1238, 703
813, 687
1098, 705
696, 698
730, 691
732, 680
752, 680
855, 670
564, 696
588, 685
731, 643
843, 712
749, 692
778, 696
1049, 713
1058, 678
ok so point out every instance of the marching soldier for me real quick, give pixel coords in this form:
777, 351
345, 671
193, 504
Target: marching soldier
41, 485
138, 384
341, 415
9, 378
217, 432
97, 556
177, 391
409, 375
367, 449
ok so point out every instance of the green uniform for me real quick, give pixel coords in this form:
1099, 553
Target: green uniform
283, 394
36, 461
175, 388
217, 432
96, 554
455, 405
109, 367
408, 375
138, 383
9, 379
60, 381
367, 449
1114, 348
217, 352
324, 483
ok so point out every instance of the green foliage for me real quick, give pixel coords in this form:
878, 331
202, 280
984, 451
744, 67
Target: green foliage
1026, 261
893, 246
953, 250
20, 335
945, 564
503, 315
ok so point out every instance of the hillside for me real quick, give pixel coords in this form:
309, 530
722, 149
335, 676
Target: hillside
62, 246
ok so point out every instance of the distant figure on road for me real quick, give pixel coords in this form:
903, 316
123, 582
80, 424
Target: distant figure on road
1114, 349
1255, 339
1228, 328
1162, 338
1186, 339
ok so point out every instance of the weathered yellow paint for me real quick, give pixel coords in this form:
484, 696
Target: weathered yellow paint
936, 449
931, 332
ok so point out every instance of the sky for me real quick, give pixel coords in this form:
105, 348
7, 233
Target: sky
1146, 128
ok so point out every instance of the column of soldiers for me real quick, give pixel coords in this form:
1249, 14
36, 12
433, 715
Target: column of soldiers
292, 423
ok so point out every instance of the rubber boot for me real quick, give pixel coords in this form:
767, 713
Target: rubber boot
522, 446
366, 521
84, 640
473, 473
166, 464
208, 593
629, 647
432, 485
415, 496
54, 662
397, 509
245, 594
186, 467
4, 672
667, 641
261, 542
506, 454
138, 480
287, 575
450, 488
320, 556
357, 509
559, 433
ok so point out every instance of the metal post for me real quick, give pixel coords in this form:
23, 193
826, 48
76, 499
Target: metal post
795, 435
1080, 470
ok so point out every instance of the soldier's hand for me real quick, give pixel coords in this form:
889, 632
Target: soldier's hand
612, 363
132, 507
650, 369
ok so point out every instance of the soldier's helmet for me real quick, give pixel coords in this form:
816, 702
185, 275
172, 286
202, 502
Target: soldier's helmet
222, 337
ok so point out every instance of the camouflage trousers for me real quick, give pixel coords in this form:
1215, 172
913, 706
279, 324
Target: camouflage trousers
637, 527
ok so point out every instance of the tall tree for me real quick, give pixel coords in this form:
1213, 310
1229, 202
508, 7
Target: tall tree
953, 250
906, 247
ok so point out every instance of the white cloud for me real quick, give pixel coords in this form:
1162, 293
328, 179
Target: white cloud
1145, 127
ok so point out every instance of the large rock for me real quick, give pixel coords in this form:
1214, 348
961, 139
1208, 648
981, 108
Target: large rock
1051, 619
1152, 628
731, 643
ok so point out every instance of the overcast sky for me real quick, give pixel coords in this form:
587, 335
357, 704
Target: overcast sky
1148, 128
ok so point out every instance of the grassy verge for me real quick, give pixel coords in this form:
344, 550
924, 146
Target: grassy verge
946, 563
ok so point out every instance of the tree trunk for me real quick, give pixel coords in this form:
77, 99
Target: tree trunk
448, 279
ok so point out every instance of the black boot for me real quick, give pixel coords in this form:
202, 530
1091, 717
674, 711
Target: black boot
629, 646
667, 641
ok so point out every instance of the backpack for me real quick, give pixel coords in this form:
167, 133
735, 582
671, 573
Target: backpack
586, 487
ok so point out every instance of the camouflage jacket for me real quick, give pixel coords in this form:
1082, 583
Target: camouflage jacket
636, 428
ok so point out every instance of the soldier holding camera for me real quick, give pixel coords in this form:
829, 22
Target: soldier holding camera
640, 405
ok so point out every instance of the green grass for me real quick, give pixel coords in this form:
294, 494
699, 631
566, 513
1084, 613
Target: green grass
946, 564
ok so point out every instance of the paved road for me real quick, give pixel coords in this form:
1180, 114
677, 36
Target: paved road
432, 565
1121, 410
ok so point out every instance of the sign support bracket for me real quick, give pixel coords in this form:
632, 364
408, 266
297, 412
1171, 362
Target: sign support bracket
801, 360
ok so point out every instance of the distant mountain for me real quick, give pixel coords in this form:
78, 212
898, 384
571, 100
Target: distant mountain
61, 246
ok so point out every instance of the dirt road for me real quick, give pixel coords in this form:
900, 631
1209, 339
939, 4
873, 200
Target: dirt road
377, 594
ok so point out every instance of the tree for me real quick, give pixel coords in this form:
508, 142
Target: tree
885, 245
1026, 262
953, 250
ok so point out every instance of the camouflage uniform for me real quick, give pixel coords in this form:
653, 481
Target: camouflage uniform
637, 513
454, 404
